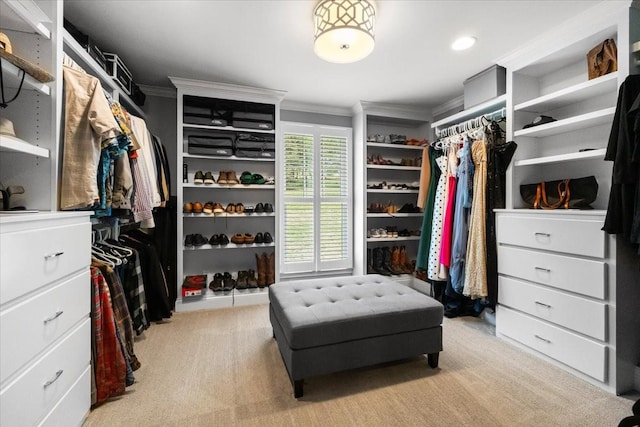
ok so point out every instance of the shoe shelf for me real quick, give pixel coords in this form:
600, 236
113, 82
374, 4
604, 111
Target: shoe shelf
571, 95
375, 190
395, 167
394, 215
227, 128
13, 75
226, 158
584, 155
232, 186
228, 215
571, 124
230, 246
392, 239
398, 146
17, 145
24, 16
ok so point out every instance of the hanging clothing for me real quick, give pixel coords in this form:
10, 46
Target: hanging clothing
425, 179
447, 227
623, 212
89, 126
499, 156
422, 259
475, 278
464, 198
433, 271
146, 157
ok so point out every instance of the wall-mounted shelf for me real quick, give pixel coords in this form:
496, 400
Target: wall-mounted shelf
582, 121
227, 158
83, 59
232, 187
17, 145
228, 215
229, 128
572, 94
400, 146
395, 167
231, 246
13, 75
584, 155
470, 113
24, 16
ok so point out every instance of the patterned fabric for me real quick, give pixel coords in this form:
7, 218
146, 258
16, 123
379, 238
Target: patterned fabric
109, 366
134, 288
475, 277
433, 271
141, 200
422, 258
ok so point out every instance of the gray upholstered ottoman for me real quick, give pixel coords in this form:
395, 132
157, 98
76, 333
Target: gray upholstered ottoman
329, 325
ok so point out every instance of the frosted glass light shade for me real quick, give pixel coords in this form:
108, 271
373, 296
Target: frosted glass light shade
344, 30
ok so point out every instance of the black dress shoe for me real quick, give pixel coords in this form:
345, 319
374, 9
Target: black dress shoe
268, 207
214, 240
224, 240
268, 238
199, 240
188, 241
259, 238
259, 208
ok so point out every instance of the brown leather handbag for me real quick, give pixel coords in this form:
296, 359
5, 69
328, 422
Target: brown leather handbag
602, 59
577, 193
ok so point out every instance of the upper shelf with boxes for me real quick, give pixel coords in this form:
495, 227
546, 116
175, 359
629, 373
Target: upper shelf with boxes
109, 68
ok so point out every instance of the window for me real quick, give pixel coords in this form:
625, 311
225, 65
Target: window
316, 199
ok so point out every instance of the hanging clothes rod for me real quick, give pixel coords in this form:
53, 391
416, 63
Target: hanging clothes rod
471, 124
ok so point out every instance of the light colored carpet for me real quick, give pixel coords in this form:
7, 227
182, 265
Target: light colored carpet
223, 368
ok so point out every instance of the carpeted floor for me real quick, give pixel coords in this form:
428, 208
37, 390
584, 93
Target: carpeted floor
222, 368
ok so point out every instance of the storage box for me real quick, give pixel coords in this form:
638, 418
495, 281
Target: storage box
96, 54
255, 146
485, 85
203, 116
252, 120
119, 72
219, 144
137, 95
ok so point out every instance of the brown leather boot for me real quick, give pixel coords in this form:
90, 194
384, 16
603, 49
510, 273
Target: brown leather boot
261, 262
232, 179
402, 261
271, 268
395, 259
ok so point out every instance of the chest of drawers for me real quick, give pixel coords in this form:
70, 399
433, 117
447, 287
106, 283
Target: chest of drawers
45, 327
554, 295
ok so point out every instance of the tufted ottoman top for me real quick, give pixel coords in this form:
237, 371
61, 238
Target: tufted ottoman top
326, 311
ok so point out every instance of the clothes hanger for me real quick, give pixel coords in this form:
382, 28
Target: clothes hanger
101, 255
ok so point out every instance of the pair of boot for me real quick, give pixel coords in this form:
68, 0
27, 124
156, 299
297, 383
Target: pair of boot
388, 261
266, 266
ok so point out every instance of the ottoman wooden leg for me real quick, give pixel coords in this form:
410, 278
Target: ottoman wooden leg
432, 358
297, 388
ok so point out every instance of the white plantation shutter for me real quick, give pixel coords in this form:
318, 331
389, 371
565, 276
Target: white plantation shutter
316, 198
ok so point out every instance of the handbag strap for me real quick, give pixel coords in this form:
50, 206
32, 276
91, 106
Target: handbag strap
564, 195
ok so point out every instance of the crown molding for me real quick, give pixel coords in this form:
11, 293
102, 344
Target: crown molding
392, 111
225, 90
315, 108
159, 91
447, 107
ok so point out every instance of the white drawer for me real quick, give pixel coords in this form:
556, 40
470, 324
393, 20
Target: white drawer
583, 276
31, 396
573, 350
29, 327
573, 312
32, 258
573, 236
74, 406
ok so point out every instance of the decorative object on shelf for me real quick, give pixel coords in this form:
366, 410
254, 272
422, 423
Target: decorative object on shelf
540, 120
576, 193
344, 30
6, 127
6, 194
35, 71
602, 59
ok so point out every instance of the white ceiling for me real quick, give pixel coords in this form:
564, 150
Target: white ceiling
269, 44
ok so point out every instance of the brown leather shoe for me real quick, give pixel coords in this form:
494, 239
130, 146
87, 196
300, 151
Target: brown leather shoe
217, 208
248, 238
197, 207
188, 207
262, 261
208, 208
231, 208
222, 178
238, 239
232, 179
271, 269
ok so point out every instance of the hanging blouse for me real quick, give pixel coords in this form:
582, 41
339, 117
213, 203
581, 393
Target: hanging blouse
447, 228
433, 270
422, 258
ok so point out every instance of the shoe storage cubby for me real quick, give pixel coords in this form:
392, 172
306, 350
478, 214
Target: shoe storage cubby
394, 141
558, 272
226, 192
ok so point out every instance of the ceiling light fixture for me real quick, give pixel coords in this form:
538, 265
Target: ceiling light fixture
344, 30
463, 43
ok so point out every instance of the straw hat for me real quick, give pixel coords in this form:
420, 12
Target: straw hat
6, 127
33, 70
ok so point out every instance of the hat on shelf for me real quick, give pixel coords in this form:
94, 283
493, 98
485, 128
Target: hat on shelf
6, 52
6, 127
540, 120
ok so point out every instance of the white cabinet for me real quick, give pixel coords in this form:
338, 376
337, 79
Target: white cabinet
560, 293
388, 172
194, 98
30, 159
45, 326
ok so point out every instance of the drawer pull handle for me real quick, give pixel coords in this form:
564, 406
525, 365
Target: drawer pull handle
48, 383
537, 233
54, 317
546, 270
543, 304
542, 339
53, 255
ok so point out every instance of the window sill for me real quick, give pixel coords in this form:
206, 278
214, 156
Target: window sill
284, 277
